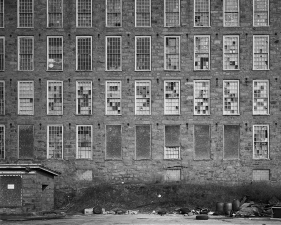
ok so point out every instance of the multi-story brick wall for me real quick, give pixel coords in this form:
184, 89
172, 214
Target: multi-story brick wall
213, 169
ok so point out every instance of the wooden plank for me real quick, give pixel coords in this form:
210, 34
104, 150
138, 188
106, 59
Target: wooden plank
231, 141
202, 142
113, 142
172, 135
143, 142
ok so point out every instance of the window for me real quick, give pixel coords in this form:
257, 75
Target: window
143, 97
260, 97
114, 13
261, 13
113, 142
25, 98
172, 13
55, 142
202, 52
25, 53
231, 52
84, 97
55, 13
201, 97
172, 175
55, 97
2, 97
171, 97
143, 53
231, 13
202, 142
172, 53
84, 141
2, 142
231, 97
83, 13
113, 98
260, 141
143, 142
55, 53
172, 142
25, 14
201, 13
261, 52
1, 13
113, 53
231, 141
2, 53
143, 13
84, 53
261, 175
25, 141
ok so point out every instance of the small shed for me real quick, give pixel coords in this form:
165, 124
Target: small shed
26, 187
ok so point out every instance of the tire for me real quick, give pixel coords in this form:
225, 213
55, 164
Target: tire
202, 217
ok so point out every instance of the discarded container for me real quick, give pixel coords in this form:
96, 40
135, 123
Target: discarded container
235, 205
276, 212
227, 208
219, 208
88, 211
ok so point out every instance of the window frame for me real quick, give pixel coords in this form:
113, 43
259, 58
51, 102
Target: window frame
48, 139
166, 176
150, 153
19, 65
268, 17
179, 98
268, 98
76, 12
48, 112
136, 63
106, 14
48, 16
238, 14
165, 53
91, 41
33, 109
209, 98
268, 141
268, 55
106, 61
146, 81
194, 14
238, 98
223, 138
3, 16
18, 141
261, 180
136, 14
106, 157
77, 147
165, 148
4, 99
165, 14
48, 53
76, 96
238, 48
209, 52
4, 142
4, 53
18, 15
106, 83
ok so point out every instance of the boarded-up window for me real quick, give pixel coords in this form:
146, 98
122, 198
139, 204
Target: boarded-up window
25, 141
231, 140
261, 175
202, 143
172, 142
113, 142
10, 191
173, 175
143, 142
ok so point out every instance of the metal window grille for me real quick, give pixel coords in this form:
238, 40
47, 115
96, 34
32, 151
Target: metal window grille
2, 141
202, 97
2, 13
231, 52
172, 97
55, 53
143, 13
172, 13
261, 52
55, 13
261, 97
2, 97
201, 13
231, 97
25, 13
172, 53
84, 13
261, 141
231, 13
172, 153
114, 13
113, 53
261, 13
25, 98
25, 53
201, 52
113, 97
84, 142
261, 175
173, 175
143, 97
2, 53
55, 97
143, 53
84, 97
84, 53
55, 141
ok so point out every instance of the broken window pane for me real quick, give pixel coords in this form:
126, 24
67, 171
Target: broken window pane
202, 13
172, 13
261, 141
231, 52
202, 52
261, 52
172, 97
231, 13
55, 98
201, 97
55, 53
55, 13
261, 97
84, 142
113, 97
143, 97
261, 13
84, 97
55, 142
231, 97
172, 53
25, 98
114, 13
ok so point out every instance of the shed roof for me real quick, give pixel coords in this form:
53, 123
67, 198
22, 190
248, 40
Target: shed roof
28, 167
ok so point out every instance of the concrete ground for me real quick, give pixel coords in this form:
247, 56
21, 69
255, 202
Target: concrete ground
144, 219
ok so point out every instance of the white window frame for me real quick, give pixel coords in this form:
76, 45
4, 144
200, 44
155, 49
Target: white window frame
3, 38
209, 98
165, 14
179, 98
48, 101
106, 98
268, 102
4, 146
28, 37
48, 53
254, 36
106, 61
165, 52
165, 148
137, 112
238, 14
77, 25
81, 82
136, 14
18, 15
3, 13
194, 15
77, 147
48, 140
268, 139
136, 63
19, 106
254, 24
209, 54
106, 14
224, 52
48, 16
80, 37
3, 82
238, 98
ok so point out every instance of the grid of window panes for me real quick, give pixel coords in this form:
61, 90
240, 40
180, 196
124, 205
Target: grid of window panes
143, 97
114, 13
25, 53
172, 13
261, 141
261, 97
2, 53
172, 153
84, 13
113, 97
55, 13
143, 13
84, 142
231, 52
261, 52
143, 58
55, 97
172, 53
2, 97
172, 97
55, 141
202, 97
84, 97
1, 13
201, 13
25, 13
231, 97
25, 98
261, 175
261, 13
55, 53
83, 53
113, 56
202, 52
2, 141
231, 13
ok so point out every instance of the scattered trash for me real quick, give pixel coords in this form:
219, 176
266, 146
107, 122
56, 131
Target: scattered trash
184, 210
162, 212
97, 210
131, 212
88, 211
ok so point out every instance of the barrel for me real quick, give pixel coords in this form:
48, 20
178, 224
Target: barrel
227, 208
219, 208
235, 205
